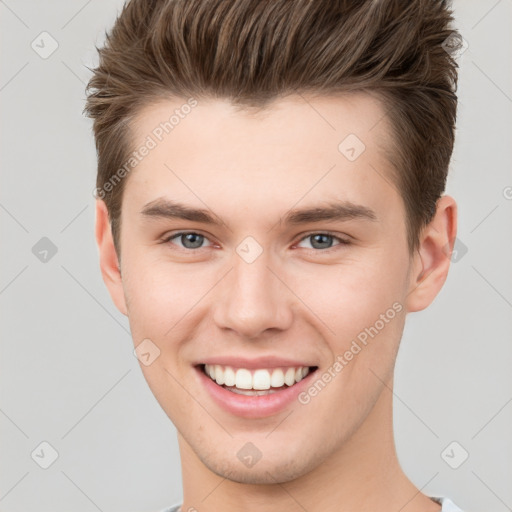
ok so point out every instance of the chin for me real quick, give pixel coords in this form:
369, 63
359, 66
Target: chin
284, 467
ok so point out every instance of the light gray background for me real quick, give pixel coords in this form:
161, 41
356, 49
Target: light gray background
68, 374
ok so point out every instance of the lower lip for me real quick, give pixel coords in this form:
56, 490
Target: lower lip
252, 406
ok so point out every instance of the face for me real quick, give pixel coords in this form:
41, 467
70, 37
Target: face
295, 267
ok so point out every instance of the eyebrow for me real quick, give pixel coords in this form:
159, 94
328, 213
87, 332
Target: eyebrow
331, 211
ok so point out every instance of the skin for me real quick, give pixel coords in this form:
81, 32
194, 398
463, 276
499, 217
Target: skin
335, 453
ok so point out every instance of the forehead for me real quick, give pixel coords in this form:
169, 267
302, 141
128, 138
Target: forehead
287, 119
328, 147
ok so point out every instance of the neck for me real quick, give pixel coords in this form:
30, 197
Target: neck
362, 475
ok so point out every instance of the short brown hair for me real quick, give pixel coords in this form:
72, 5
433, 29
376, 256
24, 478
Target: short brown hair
255, 51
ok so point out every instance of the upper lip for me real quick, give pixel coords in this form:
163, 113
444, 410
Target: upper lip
254, 363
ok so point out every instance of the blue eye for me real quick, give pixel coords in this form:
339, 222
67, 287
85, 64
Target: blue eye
189, 239
323, 241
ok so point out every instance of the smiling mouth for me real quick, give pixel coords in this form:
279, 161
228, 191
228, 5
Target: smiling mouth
256, 382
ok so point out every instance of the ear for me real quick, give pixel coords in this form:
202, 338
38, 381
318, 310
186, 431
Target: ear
109, 262
431, 261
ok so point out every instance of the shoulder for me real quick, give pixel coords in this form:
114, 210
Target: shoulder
174, 508
447, 505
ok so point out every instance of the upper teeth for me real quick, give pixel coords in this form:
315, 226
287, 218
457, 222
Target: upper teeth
255, 379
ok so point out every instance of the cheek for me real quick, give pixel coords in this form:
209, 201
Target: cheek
165, 299
350, 297
362, 306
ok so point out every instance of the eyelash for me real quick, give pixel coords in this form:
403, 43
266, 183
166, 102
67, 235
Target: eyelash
341, 241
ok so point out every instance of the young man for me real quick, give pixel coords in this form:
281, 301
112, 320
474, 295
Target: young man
269, 210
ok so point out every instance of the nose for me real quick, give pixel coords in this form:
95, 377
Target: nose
252, 299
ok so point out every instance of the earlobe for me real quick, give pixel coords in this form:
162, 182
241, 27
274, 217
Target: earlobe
109, 262
431, 262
